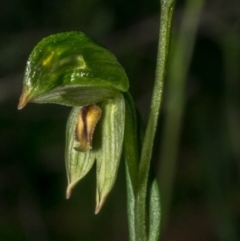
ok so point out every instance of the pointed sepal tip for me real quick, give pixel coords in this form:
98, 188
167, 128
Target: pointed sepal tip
99, 205
69, 191
24, 99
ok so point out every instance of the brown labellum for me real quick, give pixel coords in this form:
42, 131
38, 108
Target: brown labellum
87, 120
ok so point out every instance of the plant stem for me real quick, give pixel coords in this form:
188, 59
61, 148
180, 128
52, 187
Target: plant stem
179, 65
167, 7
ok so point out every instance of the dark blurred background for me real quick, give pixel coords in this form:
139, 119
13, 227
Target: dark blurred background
202, 194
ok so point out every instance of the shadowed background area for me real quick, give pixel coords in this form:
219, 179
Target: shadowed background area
200, 182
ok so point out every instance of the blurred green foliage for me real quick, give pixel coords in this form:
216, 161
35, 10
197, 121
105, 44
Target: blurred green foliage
206, 193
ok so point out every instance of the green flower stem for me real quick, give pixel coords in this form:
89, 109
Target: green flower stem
167, 7
179, 64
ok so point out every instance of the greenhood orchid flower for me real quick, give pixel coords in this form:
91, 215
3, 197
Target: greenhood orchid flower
71, 69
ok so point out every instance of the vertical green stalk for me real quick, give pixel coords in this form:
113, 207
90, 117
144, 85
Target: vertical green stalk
167, 7
179, 65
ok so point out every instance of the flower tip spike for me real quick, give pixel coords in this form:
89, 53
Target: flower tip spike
24, 99
99, 205
68, 191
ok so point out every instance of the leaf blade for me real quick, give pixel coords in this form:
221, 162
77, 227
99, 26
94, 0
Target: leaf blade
154, 212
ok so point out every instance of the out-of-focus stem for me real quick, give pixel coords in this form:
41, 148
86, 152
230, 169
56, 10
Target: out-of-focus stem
178, 69
231, 54
221, 205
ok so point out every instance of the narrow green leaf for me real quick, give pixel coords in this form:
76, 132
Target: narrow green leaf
131, 145
130, 206
155, 212
78, 163
131, 156
109, 152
